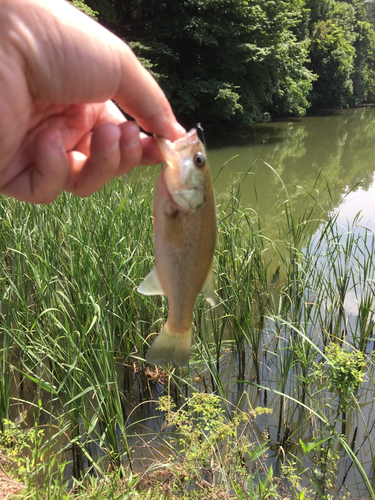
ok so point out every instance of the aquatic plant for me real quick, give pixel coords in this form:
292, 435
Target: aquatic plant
74, 334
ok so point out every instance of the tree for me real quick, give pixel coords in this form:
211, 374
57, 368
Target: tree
85, 8
364, 65
248, 60
109, 13
342, 51
332, 52
222, 60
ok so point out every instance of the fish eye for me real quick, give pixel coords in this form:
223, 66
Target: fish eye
199, 160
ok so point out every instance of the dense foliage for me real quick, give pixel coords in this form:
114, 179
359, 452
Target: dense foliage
248, 60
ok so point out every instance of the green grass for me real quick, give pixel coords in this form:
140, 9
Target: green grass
74, 333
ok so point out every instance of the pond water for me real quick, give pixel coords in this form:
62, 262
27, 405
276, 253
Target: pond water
325, 155
329, 158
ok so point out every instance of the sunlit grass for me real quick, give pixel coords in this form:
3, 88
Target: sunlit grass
74, 334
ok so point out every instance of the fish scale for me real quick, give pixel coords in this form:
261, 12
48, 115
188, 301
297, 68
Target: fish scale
184, 238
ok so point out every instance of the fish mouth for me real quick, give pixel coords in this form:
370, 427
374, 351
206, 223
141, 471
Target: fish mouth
189, 139
183, 181
171, 151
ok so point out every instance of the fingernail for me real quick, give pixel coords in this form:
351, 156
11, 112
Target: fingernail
55, 140
180, 129
115, 146
133, 143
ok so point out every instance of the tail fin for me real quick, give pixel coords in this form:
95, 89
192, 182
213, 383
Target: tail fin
170, 347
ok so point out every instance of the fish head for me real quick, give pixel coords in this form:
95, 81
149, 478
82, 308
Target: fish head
186, 170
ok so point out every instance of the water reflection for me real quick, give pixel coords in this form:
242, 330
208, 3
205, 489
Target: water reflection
319, 156
329, 159
360, 200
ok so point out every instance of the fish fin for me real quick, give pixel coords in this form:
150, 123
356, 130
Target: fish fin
170, 347
151, 285
208, 288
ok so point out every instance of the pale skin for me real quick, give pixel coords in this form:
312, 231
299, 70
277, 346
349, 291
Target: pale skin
59, 129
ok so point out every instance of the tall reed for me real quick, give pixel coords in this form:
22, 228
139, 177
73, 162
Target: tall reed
74, 331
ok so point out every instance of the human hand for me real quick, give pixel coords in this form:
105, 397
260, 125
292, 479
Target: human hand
59, 129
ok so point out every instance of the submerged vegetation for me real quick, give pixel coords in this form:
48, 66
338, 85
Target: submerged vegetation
278, 397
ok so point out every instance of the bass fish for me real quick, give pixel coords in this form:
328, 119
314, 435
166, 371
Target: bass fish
184, 240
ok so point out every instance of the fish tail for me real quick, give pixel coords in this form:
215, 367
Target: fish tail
170, 347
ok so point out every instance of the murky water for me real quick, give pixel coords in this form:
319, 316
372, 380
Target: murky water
330, 158
322, 156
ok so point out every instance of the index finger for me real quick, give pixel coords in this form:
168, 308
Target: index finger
76, 60
142, 98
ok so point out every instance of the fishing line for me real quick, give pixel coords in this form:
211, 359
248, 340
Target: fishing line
201, 130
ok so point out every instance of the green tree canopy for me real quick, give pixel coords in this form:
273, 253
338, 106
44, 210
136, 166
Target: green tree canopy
248, 60
221, 60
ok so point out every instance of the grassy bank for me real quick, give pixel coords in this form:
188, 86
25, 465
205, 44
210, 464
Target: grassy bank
276, 402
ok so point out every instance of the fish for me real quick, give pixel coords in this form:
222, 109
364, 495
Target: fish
184, 242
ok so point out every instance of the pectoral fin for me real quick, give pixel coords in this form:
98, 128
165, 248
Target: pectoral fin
208, 289
150, 285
